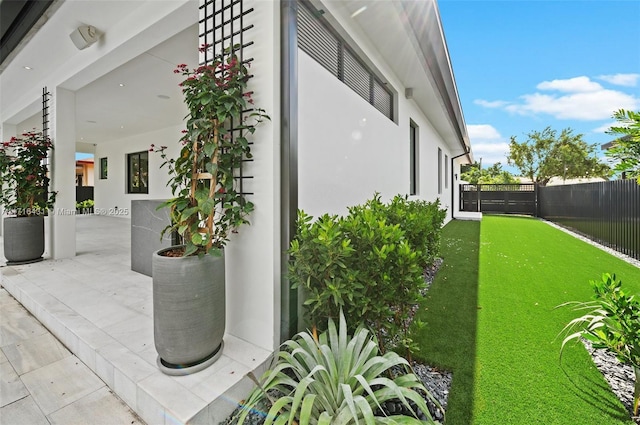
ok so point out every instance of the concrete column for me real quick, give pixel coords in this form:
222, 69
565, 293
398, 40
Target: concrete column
62, 228
7, 132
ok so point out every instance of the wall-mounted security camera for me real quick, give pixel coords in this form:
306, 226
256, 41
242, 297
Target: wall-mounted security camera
84, 36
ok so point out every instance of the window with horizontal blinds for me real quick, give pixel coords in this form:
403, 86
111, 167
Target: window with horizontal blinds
382, 99
317, 39
356, 76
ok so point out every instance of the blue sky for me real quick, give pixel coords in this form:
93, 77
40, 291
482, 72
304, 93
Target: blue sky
523, 65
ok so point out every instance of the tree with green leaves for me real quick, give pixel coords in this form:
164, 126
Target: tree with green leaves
491, 175
626, 149
546, 154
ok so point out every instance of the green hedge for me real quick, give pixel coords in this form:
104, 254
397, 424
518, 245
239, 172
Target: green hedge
370, 263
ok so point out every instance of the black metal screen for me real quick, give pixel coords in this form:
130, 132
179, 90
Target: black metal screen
223, 26
498, 198
45, 111
606, 212
45, 131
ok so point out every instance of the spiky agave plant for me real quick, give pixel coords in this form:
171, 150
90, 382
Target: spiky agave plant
612, 323
338, 379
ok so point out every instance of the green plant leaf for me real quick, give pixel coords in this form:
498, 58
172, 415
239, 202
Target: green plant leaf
314, 389
196, 238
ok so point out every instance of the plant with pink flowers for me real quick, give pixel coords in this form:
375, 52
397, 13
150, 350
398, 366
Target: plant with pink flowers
207, 205
24, 175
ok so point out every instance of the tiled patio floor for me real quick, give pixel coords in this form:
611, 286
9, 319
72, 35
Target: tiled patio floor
102, 312
42, 382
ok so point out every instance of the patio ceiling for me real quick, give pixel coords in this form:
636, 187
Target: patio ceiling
137, 97
140, 95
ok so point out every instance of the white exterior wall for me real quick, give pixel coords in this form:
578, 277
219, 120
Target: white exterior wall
253, 255
348, 149
111, 197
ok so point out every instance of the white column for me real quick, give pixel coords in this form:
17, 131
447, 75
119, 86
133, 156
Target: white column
7, 132
62, 229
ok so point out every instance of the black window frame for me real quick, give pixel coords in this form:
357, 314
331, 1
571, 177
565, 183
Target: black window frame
414, 158
103, 168
446, 171
143, 188
439, 171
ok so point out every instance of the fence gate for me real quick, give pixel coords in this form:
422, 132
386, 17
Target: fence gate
499, 198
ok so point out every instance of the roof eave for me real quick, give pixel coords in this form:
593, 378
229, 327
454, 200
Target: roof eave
425, 23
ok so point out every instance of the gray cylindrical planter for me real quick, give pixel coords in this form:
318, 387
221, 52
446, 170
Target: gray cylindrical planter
188, 311
23, 239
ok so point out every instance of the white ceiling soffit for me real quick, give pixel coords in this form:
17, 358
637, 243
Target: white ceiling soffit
137, 97
50, 49
141, 104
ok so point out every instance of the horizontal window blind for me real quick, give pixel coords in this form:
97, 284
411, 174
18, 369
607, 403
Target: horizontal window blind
317, 39
356, 76
382, 98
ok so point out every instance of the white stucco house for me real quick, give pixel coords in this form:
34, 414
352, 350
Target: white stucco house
361, 94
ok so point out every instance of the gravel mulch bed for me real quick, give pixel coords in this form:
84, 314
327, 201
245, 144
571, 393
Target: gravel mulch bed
619, 376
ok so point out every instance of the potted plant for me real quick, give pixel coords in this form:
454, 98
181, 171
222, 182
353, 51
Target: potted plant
25, 196
189, 279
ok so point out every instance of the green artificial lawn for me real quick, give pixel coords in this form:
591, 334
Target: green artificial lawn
491, 319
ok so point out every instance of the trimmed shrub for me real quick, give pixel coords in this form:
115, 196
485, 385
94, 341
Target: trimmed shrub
420, 220
322, 259
369, 263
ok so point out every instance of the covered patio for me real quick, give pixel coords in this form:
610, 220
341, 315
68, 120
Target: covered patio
102, 311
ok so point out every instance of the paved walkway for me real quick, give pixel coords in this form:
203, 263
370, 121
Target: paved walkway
42, 382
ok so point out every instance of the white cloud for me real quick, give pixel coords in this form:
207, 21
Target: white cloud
628, 80
604, 128
490, 152
491, 104
487, 143
585, 100
483, 131
585, 106
580, 98
571, 85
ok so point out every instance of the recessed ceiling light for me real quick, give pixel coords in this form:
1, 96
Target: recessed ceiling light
359, 11
28, 68
122, 126
121, 84
163, 96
